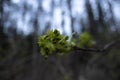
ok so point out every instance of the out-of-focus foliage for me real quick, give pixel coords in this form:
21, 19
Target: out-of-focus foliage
66, 77
86, 40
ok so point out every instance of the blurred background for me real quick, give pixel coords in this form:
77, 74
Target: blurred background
22, 21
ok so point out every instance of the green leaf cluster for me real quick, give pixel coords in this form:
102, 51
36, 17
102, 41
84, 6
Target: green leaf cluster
52, 42
85, 40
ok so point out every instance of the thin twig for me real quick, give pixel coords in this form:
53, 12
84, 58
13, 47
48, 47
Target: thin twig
105, 48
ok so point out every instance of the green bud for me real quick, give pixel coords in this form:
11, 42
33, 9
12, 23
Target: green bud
67, 37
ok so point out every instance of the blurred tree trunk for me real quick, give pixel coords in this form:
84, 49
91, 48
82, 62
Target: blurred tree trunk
92, 24
35, 53
1, 13
72, 19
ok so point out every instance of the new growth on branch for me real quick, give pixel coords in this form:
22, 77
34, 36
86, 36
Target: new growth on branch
54, 42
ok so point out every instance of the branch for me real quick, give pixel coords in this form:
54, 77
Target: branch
105, 48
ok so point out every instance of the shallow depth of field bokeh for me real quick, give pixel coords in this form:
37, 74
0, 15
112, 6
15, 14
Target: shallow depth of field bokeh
23, 21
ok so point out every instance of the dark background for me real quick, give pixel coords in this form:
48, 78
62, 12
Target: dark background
20, 57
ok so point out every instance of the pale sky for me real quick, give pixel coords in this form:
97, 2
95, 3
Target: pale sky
57, 15
56, 20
